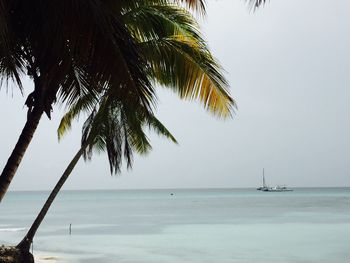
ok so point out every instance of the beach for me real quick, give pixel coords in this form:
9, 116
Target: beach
208, 225
44, 258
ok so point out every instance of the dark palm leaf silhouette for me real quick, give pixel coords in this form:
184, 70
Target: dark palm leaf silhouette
68, 48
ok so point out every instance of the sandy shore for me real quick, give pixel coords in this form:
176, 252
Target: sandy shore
41, 257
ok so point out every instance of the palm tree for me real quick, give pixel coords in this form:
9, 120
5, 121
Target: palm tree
117, 125
68, 48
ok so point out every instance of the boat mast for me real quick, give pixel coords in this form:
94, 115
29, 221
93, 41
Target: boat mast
264, 185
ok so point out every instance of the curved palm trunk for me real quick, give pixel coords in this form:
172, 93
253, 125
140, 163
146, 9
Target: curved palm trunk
24, 245
19, 150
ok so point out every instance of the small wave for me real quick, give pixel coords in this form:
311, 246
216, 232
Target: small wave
18, 229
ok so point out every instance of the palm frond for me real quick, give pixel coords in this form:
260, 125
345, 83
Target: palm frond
253, 4
155, 125
191, 72
117, 126
154, 21
11, 64
86, 103
62, 38
179, 57
197, 5
134, 130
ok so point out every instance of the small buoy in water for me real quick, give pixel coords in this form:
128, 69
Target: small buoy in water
171, 194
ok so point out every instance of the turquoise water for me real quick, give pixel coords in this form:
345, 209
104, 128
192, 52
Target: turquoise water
221, 225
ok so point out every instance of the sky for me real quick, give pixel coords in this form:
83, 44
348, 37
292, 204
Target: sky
288, 65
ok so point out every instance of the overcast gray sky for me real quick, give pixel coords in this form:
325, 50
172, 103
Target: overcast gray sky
288, 65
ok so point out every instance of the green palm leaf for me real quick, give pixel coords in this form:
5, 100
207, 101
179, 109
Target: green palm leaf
192, 73
179, 58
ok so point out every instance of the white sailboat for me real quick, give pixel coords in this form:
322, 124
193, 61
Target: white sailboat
277, 188
264, 186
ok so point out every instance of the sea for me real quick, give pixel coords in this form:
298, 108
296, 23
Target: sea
185, 225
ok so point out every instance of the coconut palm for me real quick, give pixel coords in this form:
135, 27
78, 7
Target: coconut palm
68, 48
117, 125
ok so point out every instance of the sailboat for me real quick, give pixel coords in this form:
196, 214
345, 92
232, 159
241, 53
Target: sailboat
264, 186
277, 188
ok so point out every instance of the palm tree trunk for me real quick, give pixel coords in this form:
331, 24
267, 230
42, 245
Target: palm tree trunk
19, 150
24, 245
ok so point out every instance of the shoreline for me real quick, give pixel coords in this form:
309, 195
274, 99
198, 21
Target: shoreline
45, 257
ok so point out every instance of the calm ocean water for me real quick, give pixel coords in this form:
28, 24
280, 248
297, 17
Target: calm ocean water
221, 225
